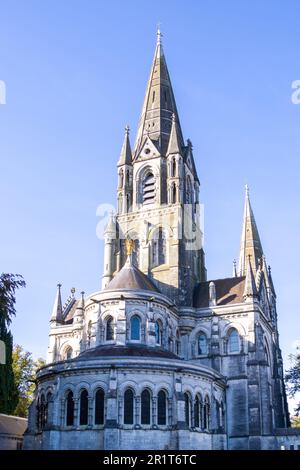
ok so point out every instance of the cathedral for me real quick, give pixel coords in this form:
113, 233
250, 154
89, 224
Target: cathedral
162, 357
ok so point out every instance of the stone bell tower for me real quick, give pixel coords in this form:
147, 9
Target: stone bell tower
158, 194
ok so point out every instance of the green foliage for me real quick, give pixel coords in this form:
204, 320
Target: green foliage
292, 378
9, 283
24, 368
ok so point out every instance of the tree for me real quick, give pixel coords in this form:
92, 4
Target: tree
295, 422
292, 378
24, 368
9, 283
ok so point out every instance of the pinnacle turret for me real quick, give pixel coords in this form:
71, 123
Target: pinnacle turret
250, 240
57, 312
126, 155
250, 290
174, 146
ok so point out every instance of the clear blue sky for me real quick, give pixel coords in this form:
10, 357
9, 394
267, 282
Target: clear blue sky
76, 72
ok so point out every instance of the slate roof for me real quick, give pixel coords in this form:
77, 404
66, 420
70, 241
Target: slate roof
130, 277
130, 350
228, 291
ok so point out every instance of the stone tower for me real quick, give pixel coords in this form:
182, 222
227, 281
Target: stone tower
158, 196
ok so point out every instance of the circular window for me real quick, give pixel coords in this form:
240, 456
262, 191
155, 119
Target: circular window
147, 151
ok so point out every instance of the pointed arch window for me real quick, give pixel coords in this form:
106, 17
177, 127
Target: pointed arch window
158, 333
162, 408
206, 414
68, 353
187, 409
109, 329
197, 412
173, 193
233, 341
135, 328
83, 415
145, 407
202, 344
173, 167
70, 409
149, 189
99, 407
158, 248
121, 178
128, 406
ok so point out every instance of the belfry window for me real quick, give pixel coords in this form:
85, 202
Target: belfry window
109, 329
135, 328
83, 418
161, 408
128, 406
99, 407
145, 407
202, 344
233, 341
149, 189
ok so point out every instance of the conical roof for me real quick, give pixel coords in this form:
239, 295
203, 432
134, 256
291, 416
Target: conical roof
130, 277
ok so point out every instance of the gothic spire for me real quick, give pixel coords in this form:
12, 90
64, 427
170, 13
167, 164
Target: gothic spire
174, 142
159, 105
57, 313
126, 155
250, 241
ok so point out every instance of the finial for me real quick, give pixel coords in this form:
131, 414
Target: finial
247, 190
127, 129
73, 291
129, 245
234, 268
159, 35
59, 286
82, 294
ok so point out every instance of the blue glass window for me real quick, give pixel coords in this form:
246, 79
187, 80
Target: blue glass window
233, 342
135, 326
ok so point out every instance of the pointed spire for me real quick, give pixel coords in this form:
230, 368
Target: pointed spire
159, 105
126, 155
267, 273
250, 241
234, 272
250, 290
174, 142
110, 230
57, 312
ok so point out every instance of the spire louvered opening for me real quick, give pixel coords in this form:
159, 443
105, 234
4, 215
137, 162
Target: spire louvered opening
149, 189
